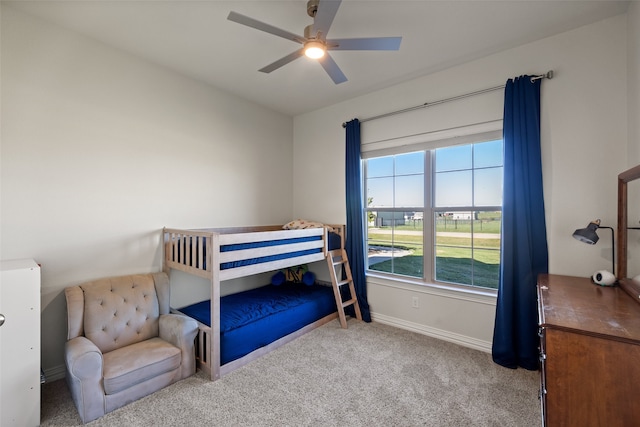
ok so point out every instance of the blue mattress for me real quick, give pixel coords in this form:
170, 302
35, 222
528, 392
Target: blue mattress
255, 318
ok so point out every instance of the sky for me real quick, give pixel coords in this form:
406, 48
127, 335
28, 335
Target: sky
459, 170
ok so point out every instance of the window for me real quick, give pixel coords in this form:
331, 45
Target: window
436, 214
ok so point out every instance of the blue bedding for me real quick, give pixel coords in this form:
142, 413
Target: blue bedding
334, 243
255, 318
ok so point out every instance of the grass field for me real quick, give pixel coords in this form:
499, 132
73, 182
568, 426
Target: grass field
454, 260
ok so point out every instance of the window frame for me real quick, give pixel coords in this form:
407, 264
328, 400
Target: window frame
428, 210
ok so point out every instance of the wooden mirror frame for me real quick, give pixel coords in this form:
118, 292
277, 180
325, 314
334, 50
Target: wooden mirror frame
626, 283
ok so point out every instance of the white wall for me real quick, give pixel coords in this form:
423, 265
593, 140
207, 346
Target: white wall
584, 142
100, 150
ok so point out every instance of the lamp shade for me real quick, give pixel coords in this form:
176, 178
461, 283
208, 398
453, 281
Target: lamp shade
588, 234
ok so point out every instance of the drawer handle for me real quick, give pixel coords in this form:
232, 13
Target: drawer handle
2, 319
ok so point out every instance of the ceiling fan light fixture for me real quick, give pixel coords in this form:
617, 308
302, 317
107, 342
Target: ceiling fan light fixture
314, 43
314, 49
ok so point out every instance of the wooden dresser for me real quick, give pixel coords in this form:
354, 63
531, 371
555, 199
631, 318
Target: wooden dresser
589, 352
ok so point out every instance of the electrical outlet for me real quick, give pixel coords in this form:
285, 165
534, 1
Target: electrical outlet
414, 302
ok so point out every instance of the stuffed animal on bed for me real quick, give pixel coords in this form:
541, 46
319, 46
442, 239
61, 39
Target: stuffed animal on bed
299, 274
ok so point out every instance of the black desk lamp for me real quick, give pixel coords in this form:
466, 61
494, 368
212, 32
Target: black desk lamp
589, 235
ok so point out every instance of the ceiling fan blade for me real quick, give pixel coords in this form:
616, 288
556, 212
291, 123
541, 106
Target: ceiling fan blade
258, 25
282, 61
327, 10
332, 69
371, 43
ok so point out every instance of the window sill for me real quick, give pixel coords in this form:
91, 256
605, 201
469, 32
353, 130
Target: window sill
442, 289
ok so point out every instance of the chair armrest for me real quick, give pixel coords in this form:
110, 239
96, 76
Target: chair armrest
84, 365
83, 358
181, 331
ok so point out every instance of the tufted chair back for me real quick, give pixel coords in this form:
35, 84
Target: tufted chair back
119, 313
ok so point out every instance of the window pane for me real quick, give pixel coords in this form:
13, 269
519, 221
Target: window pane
453, 265
453, 189
409, 164
487, 229
408, 238
452, 249
380, 166
488, 187
379, 245
453, 158
409, 191
472, 246
487, 154
396, 181
395, 244
486, 268
380, 192
409, 260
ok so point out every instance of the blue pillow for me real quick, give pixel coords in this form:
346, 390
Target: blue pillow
278, 278
308, 278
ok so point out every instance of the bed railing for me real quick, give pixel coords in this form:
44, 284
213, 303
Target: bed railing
197, 252
186, 250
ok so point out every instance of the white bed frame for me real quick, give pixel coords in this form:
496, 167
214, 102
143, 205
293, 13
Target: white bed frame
204, 259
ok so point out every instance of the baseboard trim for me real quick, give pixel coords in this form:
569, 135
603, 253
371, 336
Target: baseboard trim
462, 340
55, 373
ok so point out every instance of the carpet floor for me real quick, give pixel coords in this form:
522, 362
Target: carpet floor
370, 374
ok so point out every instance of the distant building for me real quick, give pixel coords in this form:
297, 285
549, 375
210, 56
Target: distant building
461, 215
387, 219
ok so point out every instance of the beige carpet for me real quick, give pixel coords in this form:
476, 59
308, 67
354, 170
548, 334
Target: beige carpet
370, 374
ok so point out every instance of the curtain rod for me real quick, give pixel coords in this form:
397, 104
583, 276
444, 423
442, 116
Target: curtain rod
547, 75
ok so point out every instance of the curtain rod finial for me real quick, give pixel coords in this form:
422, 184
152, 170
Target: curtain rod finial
547, 75
344, 124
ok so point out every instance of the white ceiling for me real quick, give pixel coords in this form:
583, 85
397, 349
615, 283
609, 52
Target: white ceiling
196, 39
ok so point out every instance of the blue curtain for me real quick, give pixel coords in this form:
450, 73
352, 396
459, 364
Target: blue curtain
354, 242
524, 236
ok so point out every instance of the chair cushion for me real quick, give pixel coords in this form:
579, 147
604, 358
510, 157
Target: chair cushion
133, 364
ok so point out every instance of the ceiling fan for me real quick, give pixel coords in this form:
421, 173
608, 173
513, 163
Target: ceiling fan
315, 42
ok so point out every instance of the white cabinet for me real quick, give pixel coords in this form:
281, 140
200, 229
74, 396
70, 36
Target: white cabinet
20, 343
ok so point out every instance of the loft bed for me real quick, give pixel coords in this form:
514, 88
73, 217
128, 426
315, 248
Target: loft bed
220, 254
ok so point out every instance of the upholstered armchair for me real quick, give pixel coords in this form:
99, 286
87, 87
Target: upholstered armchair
122, 342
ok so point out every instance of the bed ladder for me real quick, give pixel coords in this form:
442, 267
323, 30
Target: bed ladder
335, 259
